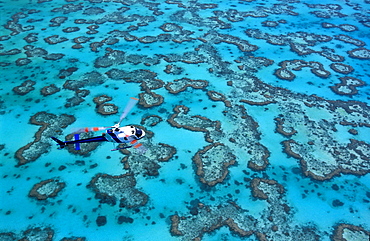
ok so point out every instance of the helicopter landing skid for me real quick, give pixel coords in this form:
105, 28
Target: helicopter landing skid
116, 149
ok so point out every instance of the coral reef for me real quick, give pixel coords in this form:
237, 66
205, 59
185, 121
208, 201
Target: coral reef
259, 188
107, 109
274, 222
210, 218
102, 99
360, 53
285, 71
112, 189
55, 39
347, 86
151, 120
148, 163
323, 169
344, 27
46, 189
347, 231
25, 87
320, 132
215, 96
350, 40
341, 68
49, 90
50, 124
212, 163
180, 85
149, 99
287, 132
180, 119
246, 54
36, 233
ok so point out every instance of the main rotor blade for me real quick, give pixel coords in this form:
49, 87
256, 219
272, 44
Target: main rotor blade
131, 103
88, 129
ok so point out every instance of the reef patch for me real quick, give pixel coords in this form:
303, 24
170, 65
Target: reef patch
285, 71
46, 189
50, 124
25, 87
180, 119
347, 86
212, 163
351, 158
118, 189
349, 232
147, 162
360, 53
180, 85
210, 218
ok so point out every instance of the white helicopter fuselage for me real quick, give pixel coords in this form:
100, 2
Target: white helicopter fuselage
125, 134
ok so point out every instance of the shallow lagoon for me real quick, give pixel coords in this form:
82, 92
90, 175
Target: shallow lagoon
296, 151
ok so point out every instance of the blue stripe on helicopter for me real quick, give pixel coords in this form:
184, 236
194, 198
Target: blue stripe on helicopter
115, 138
77, 145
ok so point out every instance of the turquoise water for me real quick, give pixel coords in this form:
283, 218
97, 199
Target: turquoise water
325, 178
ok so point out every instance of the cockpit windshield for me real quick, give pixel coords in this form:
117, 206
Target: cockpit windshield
138, 133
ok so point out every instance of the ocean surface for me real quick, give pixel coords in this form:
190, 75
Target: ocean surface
256, 113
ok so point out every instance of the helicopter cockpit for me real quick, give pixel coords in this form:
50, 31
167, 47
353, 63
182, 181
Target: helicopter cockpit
127, 133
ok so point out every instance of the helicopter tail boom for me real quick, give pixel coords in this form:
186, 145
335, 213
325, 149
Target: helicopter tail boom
77, 141
60, 143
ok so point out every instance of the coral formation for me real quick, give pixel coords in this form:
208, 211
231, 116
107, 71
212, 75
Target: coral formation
268, 63
112, 189
212, 163
46, 189
25, 87
347, 86
50, 124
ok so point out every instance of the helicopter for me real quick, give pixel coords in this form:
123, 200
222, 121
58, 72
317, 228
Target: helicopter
116, 134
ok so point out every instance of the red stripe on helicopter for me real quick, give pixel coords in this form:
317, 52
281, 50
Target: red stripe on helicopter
138, 145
